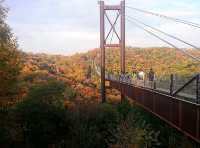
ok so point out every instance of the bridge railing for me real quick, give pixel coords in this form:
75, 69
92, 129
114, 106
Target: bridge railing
182, 87
167, 86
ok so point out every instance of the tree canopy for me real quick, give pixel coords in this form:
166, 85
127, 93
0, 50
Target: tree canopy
9, 56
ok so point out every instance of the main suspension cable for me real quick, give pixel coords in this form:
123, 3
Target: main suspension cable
166, 17
167, 42
167, 34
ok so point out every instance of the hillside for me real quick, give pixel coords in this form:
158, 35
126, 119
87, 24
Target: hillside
164, 61
78, 72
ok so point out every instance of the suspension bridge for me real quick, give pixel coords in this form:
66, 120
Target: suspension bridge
179, 109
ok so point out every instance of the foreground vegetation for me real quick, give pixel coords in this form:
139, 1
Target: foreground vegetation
47, 119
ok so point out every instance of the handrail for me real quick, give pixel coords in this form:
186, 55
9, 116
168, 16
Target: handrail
152, 85
186, 84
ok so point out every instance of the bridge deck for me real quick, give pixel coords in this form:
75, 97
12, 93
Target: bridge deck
181, 114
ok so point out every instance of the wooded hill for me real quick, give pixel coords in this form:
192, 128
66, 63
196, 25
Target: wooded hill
163, 60
78, 70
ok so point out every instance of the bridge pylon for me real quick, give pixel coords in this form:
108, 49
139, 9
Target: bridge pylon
120, 9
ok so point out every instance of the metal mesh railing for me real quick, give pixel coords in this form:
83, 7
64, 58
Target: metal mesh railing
180, 81
162, 84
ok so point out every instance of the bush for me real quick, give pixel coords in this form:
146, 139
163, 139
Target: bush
93, 126
70, 93
129, 136
51, 90
150, 130
133, 131
42, 116
124, 108
4, 137
107, 122
42, 123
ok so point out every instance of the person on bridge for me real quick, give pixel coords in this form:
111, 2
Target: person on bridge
151, 75
134, 72
141, 75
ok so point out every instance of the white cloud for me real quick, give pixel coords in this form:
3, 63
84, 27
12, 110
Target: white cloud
55, 39
69, 26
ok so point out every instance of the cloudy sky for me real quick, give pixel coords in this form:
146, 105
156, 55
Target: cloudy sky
70, 26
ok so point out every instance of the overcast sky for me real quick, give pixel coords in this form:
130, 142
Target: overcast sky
70, 26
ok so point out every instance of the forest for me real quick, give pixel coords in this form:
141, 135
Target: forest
53, 101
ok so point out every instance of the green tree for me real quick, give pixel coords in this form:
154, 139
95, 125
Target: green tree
42, 116
9, 56
93, 126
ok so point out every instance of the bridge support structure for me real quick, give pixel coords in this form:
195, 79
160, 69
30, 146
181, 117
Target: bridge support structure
198, 89
171, 84
103, 39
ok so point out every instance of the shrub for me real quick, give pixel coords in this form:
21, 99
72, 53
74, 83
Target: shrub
4, 137
43, 123
107, 122
93, 126
124, 108
42, 116
152, 131
47, 91
69, 93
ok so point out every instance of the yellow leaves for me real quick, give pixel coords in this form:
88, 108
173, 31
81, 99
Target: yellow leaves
69, 104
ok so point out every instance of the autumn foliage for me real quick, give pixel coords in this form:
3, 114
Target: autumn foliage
9, 58
52, 101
